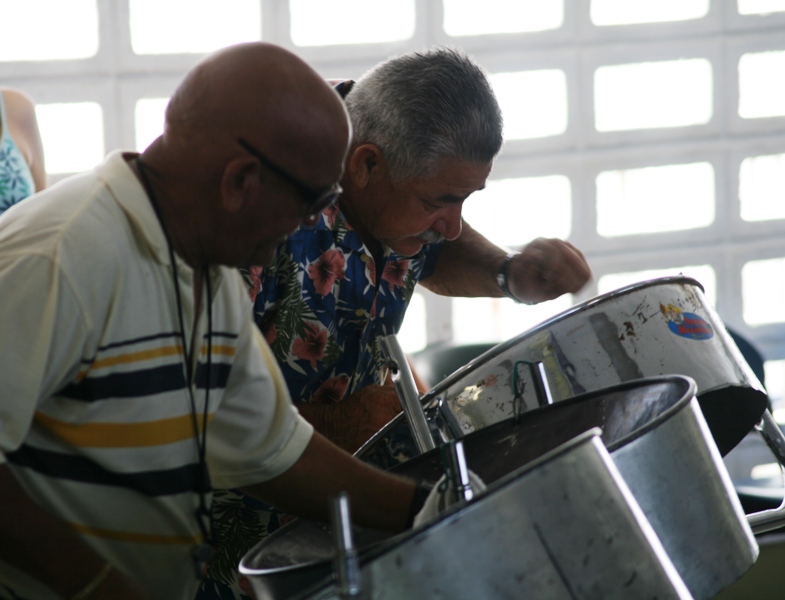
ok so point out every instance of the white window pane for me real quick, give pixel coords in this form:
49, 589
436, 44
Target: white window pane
762, 85
149, 115
703, 274
320, 23
413, 335
477, 320
512, 212
762, 187
763, 291
656, 94
774, 373
655, 199
72, 134
760, 7
48, 30
534, 103
469, 17
626, 12
192, 26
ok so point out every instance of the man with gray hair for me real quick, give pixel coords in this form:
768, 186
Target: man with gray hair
421, 108
426, 129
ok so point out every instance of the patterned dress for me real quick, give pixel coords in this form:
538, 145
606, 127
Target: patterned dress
16, 180
321, 311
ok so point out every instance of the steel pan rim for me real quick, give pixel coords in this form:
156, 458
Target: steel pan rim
445, 383
449, 514
689, 394
684, 400
374, 550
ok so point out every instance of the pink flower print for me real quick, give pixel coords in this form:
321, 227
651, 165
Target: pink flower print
394, 272
326, 270
331, 214
312, 346
332, 390
256, 279
270, 333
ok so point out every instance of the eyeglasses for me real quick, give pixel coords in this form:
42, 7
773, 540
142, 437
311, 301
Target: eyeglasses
316, 201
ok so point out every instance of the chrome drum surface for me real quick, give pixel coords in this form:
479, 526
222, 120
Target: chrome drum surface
659, 440
659, 327
563, 527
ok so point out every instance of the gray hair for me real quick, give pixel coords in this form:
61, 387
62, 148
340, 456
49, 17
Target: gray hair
422, 107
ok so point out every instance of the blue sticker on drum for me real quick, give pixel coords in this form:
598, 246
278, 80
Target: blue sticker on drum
685, 324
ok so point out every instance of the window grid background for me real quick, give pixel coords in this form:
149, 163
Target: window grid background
116, 79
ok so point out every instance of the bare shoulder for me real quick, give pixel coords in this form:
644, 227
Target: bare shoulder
18, 105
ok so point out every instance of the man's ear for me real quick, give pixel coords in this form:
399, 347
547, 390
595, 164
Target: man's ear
364, 163
239, 179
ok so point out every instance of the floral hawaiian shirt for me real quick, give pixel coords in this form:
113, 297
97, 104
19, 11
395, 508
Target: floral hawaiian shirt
321, 311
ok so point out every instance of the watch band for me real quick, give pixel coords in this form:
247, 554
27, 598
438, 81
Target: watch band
502, 277
421, 493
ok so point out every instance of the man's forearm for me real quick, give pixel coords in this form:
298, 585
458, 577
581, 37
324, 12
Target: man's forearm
378, 499
467, 267
545, 269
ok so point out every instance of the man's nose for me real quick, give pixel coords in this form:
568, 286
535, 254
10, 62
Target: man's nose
449, 221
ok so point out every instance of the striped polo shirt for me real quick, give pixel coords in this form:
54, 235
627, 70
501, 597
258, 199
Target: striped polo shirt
96, 420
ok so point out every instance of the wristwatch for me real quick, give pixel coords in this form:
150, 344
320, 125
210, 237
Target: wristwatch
502, 277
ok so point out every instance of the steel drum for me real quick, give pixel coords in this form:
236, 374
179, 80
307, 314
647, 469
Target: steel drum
563, 527
658, 327
659, 440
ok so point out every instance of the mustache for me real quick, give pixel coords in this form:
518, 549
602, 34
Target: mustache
431, 237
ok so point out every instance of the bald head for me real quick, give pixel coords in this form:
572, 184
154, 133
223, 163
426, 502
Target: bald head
262, 93
212, 185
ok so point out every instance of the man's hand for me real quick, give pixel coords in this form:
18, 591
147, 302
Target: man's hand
349, 424
546, 269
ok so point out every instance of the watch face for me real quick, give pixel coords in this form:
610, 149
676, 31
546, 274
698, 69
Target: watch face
501, 276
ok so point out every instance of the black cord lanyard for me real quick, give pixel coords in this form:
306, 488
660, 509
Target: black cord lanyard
203, 552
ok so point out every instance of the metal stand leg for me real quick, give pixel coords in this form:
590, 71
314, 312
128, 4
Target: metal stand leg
403, 380
766, 520
347, 565
772, 435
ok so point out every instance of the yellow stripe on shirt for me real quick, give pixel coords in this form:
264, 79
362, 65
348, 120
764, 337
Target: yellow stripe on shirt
222, 349
141, 538
142, 355
131, 357
121, 435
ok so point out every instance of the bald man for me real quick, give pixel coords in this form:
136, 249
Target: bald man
133, 376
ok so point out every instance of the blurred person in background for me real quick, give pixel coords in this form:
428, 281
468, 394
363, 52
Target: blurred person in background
22, 170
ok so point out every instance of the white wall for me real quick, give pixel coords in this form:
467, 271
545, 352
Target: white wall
576, 140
